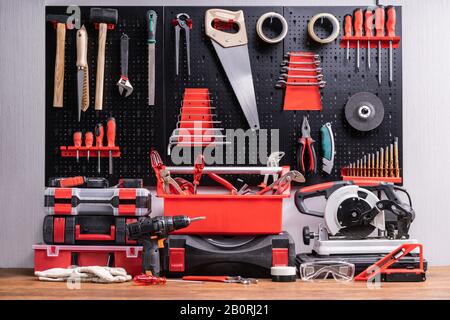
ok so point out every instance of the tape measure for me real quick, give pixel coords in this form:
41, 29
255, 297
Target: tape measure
283, 274
271, 15
334, 22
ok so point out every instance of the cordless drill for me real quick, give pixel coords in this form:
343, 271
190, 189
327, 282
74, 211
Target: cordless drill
149, 230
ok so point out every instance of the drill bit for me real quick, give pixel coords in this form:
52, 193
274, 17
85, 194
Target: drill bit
369, 165
365, 166
196, 219
386, 163
377, 164
397, 165
391, 161
381, 162
357, 168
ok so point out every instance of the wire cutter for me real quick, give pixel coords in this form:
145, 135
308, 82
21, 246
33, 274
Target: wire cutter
306, 146
182, 21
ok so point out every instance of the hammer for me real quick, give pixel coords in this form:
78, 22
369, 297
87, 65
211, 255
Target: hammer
59, 22
103, 19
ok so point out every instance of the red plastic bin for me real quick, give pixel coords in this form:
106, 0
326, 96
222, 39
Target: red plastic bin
228, 214
54, 256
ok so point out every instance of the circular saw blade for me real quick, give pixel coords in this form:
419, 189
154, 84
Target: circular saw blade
351, 201
364, 111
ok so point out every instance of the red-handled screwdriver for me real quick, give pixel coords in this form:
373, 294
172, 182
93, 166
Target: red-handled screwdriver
379, 27
77, 142
111, 137
99, 133
390, 28
358, 26
88, 140
368, 27
348, 33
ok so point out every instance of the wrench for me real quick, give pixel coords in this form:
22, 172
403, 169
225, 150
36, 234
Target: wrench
124, 84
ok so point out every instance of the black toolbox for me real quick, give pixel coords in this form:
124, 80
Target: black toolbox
232, 256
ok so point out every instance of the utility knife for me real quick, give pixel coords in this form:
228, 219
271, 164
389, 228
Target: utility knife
328, 147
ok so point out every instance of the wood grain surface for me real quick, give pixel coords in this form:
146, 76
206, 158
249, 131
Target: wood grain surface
21, 284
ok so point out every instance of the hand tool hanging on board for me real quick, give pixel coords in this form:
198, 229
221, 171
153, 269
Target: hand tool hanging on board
379, 27
390, 28
328, 147
306, 147
358, 26
103, 19
348, 33
364, 111
124, 83
111, 137
59, 22
151, 44
182, 21
99, 133
77, 139
83, 71
368, 29
88, 140
232, 50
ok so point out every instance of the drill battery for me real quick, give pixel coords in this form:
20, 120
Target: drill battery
106, 201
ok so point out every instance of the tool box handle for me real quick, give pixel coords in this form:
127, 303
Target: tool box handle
94, 236
226, 39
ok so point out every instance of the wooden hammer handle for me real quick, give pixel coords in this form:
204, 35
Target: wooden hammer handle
58, 90
102, 29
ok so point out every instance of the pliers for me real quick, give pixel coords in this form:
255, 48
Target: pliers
306, 145
225, 279
182, 21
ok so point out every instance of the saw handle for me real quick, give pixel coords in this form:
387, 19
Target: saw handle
82, 47
226, 39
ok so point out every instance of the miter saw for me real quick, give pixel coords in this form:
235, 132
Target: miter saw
364, 217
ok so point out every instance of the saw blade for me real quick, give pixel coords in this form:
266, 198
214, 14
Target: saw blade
364, 111
236, 63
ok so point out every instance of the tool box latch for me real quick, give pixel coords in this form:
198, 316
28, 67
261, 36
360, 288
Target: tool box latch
280, 257
176, 259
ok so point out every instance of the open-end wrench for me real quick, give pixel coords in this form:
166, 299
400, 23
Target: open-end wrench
124, 84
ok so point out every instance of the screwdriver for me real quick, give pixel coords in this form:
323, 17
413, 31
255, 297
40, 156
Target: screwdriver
99, 133
368, 25
111, 137
348, 33
88, 140
358, 26
379, 26
390, 29
77, 142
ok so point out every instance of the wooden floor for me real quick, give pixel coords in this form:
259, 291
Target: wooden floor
21, 284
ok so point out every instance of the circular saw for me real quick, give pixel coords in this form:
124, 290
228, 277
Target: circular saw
344, 210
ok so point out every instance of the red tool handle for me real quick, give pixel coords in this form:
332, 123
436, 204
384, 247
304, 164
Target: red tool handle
348, 26
379, 21
111, 132
358, 22
391, 20
71, 182
368, 23
77, 139
93, 236
99, 133
206, 278
223, 182
199, 165
88, 139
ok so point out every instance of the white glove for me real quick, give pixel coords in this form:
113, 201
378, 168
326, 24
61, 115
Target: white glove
85, 274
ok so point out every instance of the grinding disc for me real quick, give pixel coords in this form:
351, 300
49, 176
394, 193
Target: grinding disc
364, 111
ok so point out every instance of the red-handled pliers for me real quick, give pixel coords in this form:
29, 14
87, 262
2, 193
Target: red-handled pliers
306, 145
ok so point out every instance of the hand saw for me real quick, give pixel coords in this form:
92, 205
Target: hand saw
83, 71
232, 50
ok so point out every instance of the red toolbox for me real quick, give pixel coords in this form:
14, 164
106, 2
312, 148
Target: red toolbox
226, 214
55, 256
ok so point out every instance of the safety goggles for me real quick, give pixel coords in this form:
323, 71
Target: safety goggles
316, 271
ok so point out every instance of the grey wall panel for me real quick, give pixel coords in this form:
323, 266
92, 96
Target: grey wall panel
425, 116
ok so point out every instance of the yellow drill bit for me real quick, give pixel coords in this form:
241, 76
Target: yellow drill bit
391, 161
369, 165
386, 163
381, 162
377, 164
397, 165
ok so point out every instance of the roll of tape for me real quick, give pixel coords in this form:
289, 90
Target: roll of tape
335, 23
271, 15
283, 274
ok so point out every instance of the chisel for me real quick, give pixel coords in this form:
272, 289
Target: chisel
151, 41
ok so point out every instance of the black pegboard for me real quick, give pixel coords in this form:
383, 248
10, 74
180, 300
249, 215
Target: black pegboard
141, 127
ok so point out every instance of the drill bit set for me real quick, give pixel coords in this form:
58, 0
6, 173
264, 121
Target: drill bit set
384, 164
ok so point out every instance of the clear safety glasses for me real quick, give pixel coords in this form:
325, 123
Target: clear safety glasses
316, 271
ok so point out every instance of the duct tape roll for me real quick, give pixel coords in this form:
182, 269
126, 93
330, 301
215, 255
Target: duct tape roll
334, 22
271, 15
283, 274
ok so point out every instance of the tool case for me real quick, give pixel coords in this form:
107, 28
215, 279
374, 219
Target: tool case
213, 256
86, 201
62, 256
362, 261
91, 230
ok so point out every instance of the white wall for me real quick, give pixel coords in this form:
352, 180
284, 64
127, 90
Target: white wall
426, 111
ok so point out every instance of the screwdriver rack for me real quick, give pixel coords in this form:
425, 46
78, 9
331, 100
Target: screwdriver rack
71, 152
364, 42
